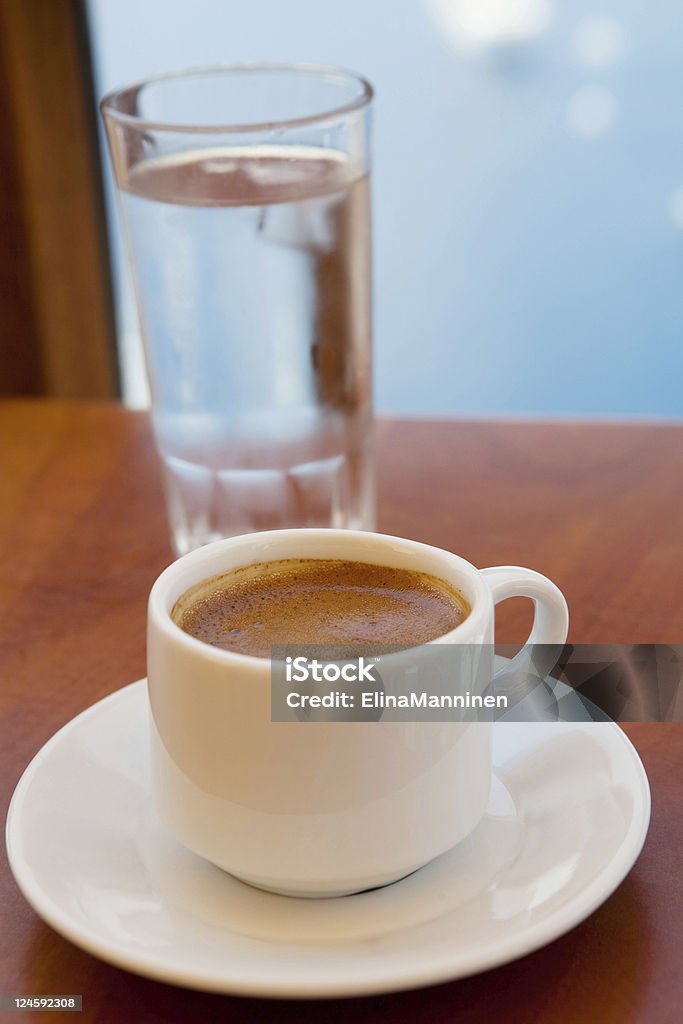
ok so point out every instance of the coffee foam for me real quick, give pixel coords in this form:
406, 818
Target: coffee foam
319, 601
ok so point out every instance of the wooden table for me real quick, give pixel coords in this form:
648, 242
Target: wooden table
599, 508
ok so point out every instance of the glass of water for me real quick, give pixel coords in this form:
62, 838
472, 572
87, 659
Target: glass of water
245, 201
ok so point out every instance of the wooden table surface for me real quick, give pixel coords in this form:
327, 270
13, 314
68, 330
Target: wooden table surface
599, 508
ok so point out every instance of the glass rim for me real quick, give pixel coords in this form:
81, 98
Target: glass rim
109, 110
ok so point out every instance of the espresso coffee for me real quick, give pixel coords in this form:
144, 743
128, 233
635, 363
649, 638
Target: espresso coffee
319, 601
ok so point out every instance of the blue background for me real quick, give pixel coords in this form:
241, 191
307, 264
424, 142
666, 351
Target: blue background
528, 187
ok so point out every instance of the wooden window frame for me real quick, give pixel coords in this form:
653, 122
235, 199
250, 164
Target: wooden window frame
57, 326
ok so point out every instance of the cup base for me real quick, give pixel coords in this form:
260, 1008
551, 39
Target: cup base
315, 894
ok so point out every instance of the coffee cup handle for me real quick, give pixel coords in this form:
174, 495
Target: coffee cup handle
548, 634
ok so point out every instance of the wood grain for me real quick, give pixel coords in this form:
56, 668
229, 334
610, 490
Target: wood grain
598, 508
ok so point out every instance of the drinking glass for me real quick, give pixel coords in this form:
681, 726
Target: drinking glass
244, 194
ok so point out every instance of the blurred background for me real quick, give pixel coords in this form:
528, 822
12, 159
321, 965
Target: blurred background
528, 192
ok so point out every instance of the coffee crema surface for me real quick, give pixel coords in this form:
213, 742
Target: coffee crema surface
318, 601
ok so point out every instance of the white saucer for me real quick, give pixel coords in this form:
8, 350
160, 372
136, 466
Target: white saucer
567, 818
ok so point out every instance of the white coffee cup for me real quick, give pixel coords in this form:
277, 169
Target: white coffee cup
325, 808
